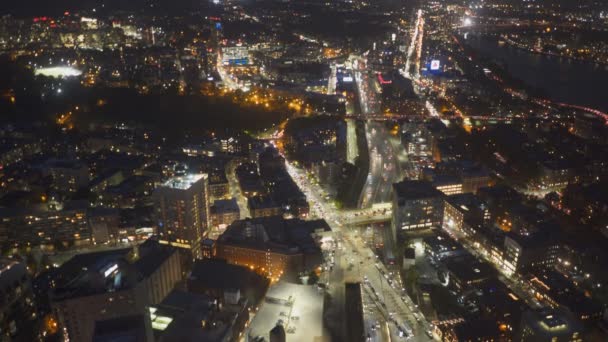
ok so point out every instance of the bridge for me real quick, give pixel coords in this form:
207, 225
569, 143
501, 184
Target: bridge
395, 117
379, 212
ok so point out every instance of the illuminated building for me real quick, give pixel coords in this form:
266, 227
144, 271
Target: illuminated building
461, 206
17, 301
219, 186
226, 282
182, 208
557, 174
263, 206
273, 246
223, 213
67, 175
230, 145
46, 225
524, 253
555, 289
549, 325
448, 185
469, 175
473, 330
235, 55
189, 316
417, 139
589, 127
102, 285
467, 272
416, 205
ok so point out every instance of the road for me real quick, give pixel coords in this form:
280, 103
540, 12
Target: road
235, 189
352, 250
388, 159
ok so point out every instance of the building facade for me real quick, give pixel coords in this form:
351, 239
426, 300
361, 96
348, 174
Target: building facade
182, 209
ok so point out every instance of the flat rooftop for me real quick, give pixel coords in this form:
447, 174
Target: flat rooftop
303, 321
288, 236
183, 182
416, 189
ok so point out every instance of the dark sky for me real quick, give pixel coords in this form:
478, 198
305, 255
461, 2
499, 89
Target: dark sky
57, 7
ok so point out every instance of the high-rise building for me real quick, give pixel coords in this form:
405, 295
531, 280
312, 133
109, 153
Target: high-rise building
182, 208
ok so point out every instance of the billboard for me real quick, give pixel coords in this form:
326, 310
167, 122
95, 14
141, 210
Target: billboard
435, 64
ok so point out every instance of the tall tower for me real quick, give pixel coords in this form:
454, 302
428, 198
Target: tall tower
182, 210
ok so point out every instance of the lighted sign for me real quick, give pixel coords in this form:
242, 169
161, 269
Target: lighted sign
347, 79
109, 271
435, 64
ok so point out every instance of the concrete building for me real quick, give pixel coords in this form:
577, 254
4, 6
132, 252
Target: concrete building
44, 224
219, 187
126, 328
273, 246
467, 206
67, 175
111, 284
525, 253
548, 326
416, 205
182, 209
226, 282
449, 185
468, 272
16, 301
193, 317
263, 206
223, 213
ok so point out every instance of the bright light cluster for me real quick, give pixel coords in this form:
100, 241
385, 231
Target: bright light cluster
58, 71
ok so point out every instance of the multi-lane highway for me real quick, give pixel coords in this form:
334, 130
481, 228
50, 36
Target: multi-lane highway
354, 260
390, 315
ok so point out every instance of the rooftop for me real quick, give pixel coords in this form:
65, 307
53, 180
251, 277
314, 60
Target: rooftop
183, 182
261, 202
551, 322
224, 206
89, 273
466, 202
281, 235
470, 269
226, 277
416, 189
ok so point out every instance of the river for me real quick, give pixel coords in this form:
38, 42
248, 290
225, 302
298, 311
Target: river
562, 79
